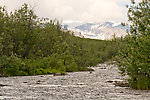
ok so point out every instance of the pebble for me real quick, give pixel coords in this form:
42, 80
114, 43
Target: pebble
101, 84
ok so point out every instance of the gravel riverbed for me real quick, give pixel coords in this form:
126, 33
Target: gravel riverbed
97, 85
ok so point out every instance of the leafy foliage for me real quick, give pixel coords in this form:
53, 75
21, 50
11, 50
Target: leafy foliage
32, 46
134, 59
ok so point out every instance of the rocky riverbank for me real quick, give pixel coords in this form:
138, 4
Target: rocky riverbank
105, 83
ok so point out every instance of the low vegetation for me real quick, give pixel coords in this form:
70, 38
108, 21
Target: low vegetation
134, 59
30, 45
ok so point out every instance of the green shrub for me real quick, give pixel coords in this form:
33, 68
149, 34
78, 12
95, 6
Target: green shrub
39, 46
40, 71
12, 66
134, 59
69, 63
55, 71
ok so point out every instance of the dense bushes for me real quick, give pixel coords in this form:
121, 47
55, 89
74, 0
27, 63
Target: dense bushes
134, 59
32, 46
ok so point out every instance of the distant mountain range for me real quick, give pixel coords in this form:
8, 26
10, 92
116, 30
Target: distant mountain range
103, 31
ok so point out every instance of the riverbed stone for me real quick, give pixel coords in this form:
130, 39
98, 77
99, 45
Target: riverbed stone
104, 83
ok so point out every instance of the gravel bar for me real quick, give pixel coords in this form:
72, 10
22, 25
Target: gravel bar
96, 85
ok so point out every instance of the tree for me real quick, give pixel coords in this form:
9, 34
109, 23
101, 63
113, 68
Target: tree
24, 34
134, 60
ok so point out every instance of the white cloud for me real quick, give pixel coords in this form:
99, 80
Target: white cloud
76, 10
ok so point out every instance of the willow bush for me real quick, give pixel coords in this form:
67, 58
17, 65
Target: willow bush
134, 59
30, 45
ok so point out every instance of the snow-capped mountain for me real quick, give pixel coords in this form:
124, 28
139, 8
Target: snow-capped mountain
101, 31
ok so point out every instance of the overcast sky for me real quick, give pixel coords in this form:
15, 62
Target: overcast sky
75, 10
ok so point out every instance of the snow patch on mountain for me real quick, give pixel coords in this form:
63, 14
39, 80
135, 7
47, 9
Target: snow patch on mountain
103, 31
115, 24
